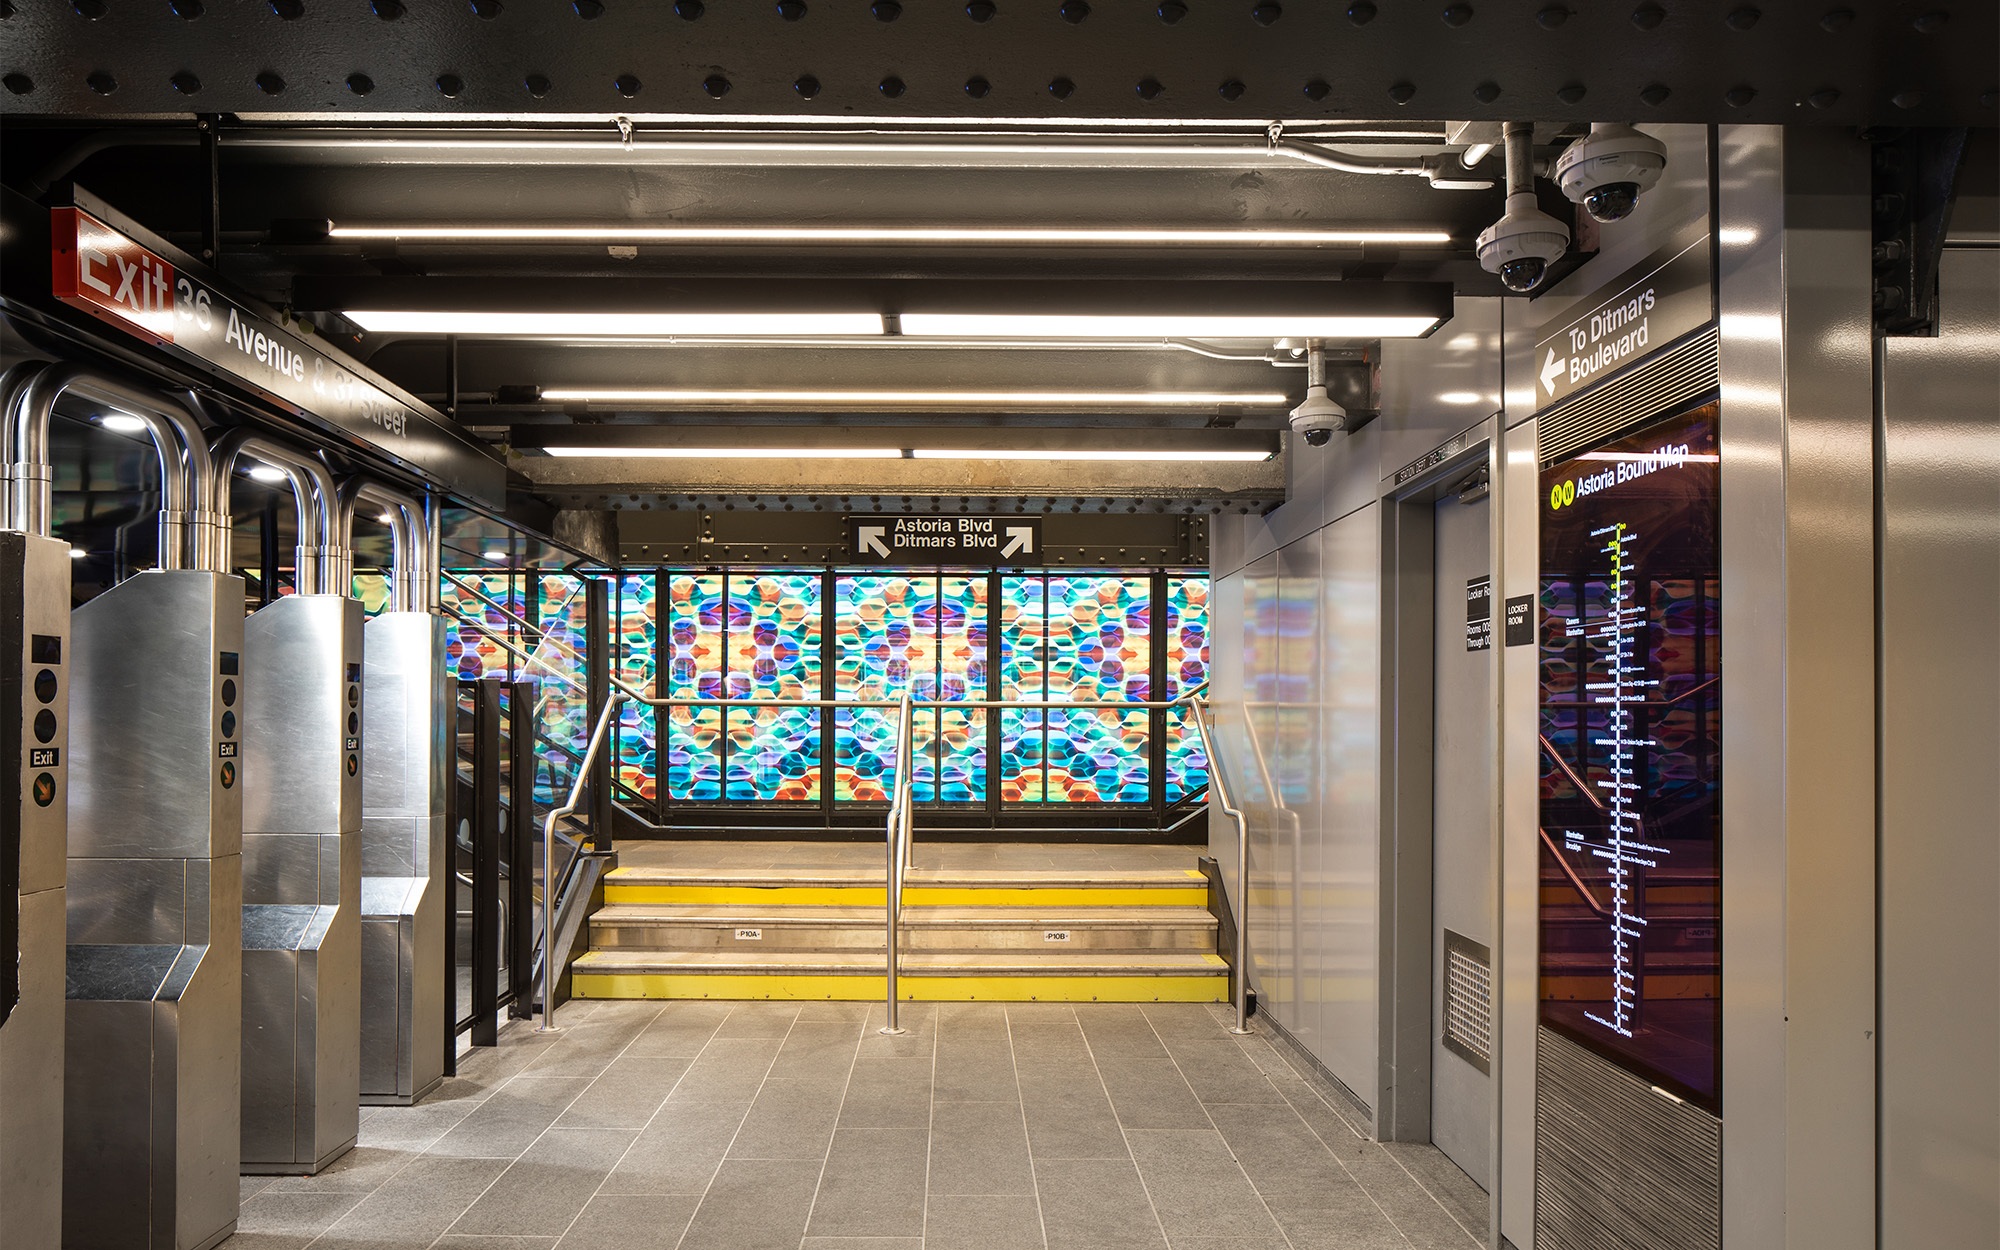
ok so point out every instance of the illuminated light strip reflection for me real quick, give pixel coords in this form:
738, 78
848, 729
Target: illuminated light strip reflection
887, 234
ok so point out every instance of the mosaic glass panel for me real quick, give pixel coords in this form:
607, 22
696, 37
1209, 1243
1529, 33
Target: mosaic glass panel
634, 628
693, 659
470, 650
1023, 637
1187, 669
1100, 650
562, 712
774, 627
880, 645
372, 589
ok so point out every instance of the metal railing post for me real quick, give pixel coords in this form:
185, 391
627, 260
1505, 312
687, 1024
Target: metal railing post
898, 833
549, 881
520, 847
1219, 787
486, 862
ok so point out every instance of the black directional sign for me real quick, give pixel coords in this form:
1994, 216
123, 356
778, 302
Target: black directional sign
1635, 314
948, 539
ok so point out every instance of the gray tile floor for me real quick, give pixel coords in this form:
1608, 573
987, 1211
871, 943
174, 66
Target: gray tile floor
740, 1126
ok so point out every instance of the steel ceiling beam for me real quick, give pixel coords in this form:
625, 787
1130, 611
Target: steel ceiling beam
1846, 62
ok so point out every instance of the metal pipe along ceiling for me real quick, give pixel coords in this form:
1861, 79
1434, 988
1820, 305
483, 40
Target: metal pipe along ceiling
188, 518
318, 558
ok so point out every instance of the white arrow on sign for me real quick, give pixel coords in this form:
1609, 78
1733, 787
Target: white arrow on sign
1551, 370
871, 539
1019, 538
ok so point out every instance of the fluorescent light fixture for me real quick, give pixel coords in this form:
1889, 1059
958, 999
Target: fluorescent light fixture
1134, 455
121, 423
732, 453
618, 325
265, 473
1007, 399
1460, 397
1168, 326
1086, 235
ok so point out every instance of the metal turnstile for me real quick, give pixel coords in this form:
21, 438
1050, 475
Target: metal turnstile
404, 769
150, 1078
34, 797
301, 883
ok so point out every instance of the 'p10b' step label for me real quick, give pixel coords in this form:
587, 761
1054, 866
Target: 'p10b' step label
1055, 935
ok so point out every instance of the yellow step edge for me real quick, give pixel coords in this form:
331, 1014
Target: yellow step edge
913, 896
844, 988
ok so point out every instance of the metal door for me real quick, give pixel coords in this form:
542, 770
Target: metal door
1461, 834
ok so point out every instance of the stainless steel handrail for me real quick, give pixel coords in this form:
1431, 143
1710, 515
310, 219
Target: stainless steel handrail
1219, 786
900, 834
549, 961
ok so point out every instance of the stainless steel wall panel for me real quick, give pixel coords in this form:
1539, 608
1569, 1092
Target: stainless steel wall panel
128, 900
1295, 767
404, 772
1940, 933
31, 1087
1433, 388
44, 565
302, 890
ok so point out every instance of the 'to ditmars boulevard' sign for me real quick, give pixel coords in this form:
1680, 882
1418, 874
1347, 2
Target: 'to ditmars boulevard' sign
1638, 312
976, 540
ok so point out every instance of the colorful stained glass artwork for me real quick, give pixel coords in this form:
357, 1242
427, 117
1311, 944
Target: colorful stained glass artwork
773, 631
1187, 626
562, 710
372, 589
634, 628
471, 651
693, 660
880, 645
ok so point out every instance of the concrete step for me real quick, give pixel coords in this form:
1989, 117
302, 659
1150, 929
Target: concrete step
1069, 976
1146, 887
661, 926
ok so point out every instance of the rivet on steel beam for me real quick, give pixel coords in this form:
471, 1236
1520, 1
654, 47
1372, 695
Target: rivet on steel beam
187, 10
1266, 13
288, 10
1457, 14
1486, 92
488, 9
1742, 18
450, 86
1403, 92
1172, 11
1318, 90
1061, 88
1073, 11
626, 85
1551, 17
1655, 94
185, 83
1149, 88
977, 88
981, 10
538, 85
716, 86
1570, 93
1988, 98
791, 10
270, 83
1929, 23
88, 10
591, 10
686, 10
892, 87
886, 10
18, 84
1836, 20
1906, 99
387, 10
1824, 98
806, 85
1361, 12
1738, 96
1231, 90
360, 84
1648, 16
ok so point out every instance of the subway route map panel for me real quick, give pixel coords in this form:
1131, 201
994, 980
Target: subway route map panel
1631, 753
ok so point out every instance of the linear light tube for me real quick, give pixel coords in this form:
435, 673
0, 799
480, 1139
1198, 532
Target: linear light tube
733, 453
889, 234
1024, 453
1059, 325
617, 325
1089, 399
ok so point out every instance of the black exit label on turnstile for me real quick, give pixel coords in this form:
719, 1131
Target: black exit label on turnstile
225, 750
1479, 613
44, 757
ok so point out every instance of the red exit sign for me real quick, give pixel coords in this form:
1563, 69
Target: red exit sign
109, 276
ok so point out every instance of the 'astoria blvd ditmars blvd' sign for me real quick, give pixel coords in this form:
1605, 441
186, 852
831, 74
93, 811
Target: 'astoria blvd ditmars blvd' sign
977, 540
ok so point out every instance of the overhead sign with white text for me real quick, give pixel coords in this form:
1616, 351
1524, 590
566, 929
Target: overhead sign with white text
1643, 309
977, 540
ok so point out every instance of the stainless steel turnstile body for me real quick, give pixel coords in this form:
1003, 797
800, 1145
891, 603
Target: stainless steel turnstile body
403, 771
301, 883
150, 1079
35, 667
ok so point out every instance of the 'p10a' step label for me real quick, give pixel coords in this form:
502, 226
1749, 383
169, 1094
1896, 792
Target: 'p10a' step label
749, 935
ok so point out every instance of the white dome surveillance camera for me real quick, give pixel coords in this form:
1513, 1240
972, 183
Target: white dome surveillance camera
1608, 169
1521, 244
1317, 417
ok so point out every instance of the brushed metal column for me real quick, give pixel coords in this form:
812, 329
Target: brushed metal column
34, 792
151, 1123
403, 772
301, 883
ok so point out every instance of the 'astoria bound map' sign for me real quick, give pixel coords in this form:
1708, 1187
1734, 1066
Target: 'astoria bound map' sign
977, 540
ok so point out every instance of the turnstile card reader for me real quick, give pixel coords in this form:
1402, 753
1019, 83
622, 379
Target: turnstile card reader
302, 665
35, 664
151, 1099
404, 767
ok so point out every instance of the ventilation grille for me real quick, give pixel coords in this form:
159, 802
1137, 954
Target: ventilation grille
1617, 1162
1468, 1000
1671, 380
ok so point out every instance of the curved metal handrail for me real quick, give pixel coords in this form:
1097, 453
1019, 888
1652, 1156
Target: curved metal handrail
575, 800
1218, 785
900, 837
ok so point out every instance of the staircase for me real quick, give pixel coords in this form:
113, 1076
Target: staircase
1118, 934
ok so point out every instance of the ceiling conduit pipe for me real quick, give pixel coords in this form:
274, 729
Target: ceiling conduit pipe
410, 588
188, 519
318, 554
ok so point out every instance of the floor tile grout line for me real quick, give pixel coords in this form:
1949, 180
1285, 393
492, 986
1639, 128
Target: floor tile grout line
1124, 1134
930, 1126
1477, 1239
712, 1039
622, 1052
1215, 1128
859, 1041
1028, 1138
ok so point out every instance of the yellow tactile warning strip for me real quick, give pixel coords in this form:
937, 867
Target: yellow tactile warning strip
911, 988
